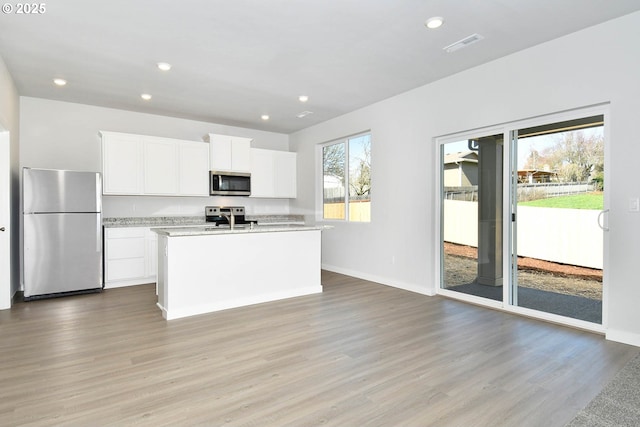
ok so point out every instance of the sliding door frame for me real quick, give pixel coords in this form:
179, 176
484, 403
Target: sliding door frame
440, 142
508, 205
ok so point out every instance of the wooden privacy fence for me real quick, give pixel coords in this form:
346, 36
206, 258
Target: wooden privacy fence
359, 210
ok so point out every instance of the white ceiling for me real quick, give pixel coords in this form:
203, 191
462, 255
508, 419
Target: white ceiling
234, 60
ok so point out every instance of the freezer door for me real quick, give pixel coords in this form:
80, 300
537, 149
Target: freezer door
62, 253
48, 190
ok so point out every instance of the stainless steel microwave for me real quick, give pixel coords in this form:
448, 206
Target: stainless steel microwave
229, 183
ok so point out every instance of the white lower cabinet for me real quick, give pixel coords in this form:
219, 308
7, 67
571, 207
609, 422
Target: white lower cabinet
151, 253
130, 256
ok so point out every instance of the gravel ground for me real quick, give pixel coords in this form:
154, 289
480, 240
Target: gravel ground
460, 268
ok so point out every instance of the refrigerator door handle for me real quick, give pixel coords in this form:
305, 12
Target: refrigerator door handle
98, 192
98, 233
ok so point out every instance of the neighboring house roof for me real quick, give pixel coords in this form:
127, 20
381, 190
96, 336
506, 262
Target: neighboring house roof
536, 175
535, 172
461, 157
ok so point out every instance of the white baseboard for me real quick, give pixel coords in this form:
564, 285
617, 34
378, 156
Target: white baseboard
133, 282
381, 280
623, 337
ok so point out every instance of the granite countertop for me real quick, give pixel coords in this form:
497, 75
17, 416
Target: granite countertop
212, 230
153, 221
185, 221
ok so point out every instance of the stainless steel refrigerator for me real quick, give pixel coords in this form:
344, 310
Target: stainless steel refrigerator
62, 232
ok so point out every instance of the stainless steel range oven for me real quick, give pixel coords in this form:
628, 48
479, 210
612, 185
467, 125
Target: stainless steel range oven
225, 215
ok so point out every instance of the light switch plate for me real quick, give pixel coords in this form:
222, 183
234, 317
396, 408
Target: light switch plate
634, 204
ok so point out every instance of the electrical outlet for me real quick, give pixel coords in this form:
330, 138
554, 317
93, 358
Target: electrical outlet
634, 204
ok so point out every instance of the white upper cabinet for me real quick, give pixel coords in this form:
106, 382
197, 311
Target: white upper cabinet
160, 167
284, 166
194, 168
262, 184
229, 153
146, 165
273, 174
122, 164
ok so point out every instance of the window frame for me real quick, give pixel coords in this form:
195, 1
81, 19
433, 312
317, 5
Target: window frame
320, 180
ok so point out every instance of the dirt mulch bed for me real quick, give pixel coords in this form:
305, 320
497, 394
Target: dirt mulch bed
461, 267
557, 269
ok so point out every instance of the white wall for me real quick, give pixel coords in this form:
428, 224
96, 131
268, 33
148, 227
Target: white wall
597, 65
9, 121
63, 135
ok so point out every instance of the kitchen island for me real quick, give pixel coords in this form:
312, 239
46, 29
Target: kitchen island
206, 269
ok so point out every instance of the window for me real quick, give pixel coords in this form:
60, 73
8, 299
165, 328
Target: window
346, 167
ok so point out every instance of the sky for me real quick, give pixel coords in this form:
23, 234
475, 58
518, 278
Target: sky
525, 146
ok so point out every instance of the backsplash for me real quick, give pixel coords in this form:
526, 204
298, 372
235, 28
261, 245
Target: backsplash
149, 206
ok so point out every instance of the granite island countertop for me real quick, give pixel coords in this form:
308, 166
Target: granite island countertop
239, 229
189, 221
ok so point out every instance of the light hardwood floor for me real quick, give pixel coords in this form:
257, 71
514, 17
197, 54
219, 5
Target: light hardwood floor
359, 354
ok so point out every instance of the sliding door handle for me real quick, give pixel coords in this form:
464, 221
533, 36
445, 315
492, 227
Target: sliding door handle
600, 220
1, 228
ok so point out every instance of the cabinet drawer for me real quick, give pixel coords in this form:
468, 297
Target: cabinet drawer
124, 232
123, 269
125, 248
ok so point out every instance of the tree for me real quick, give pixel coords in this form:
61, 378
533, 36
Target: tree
333, 161
575, 157
361, 183
360, 176
537, 160
579, 156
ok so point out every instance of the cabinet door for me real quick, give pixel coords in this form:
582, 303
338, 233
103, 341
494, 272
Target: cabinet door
273, 174
160, 167
262, 173
240, 154
284, 176
193, 169
151, 254
220, 152
124, 254
121, 164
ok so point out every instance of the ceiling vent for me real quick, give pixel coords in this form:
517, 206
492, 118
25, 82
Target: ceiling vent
463, 43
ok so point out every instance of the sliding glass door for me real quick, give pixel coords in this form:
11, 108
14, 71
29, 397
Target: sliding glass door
558, 199
522, 222
471, 219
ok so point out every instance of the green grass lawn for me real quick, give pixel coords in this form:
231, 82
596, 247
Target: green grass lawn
593, 201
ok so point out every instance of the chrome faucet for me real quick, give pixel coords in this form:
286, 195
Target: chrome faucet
230, 217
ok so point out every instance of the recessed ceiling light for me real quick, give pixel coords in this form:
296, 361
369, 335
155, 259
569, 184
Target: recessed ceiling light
434, 22
264, 117
303, 98
164, 66
59, 82
145, 96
